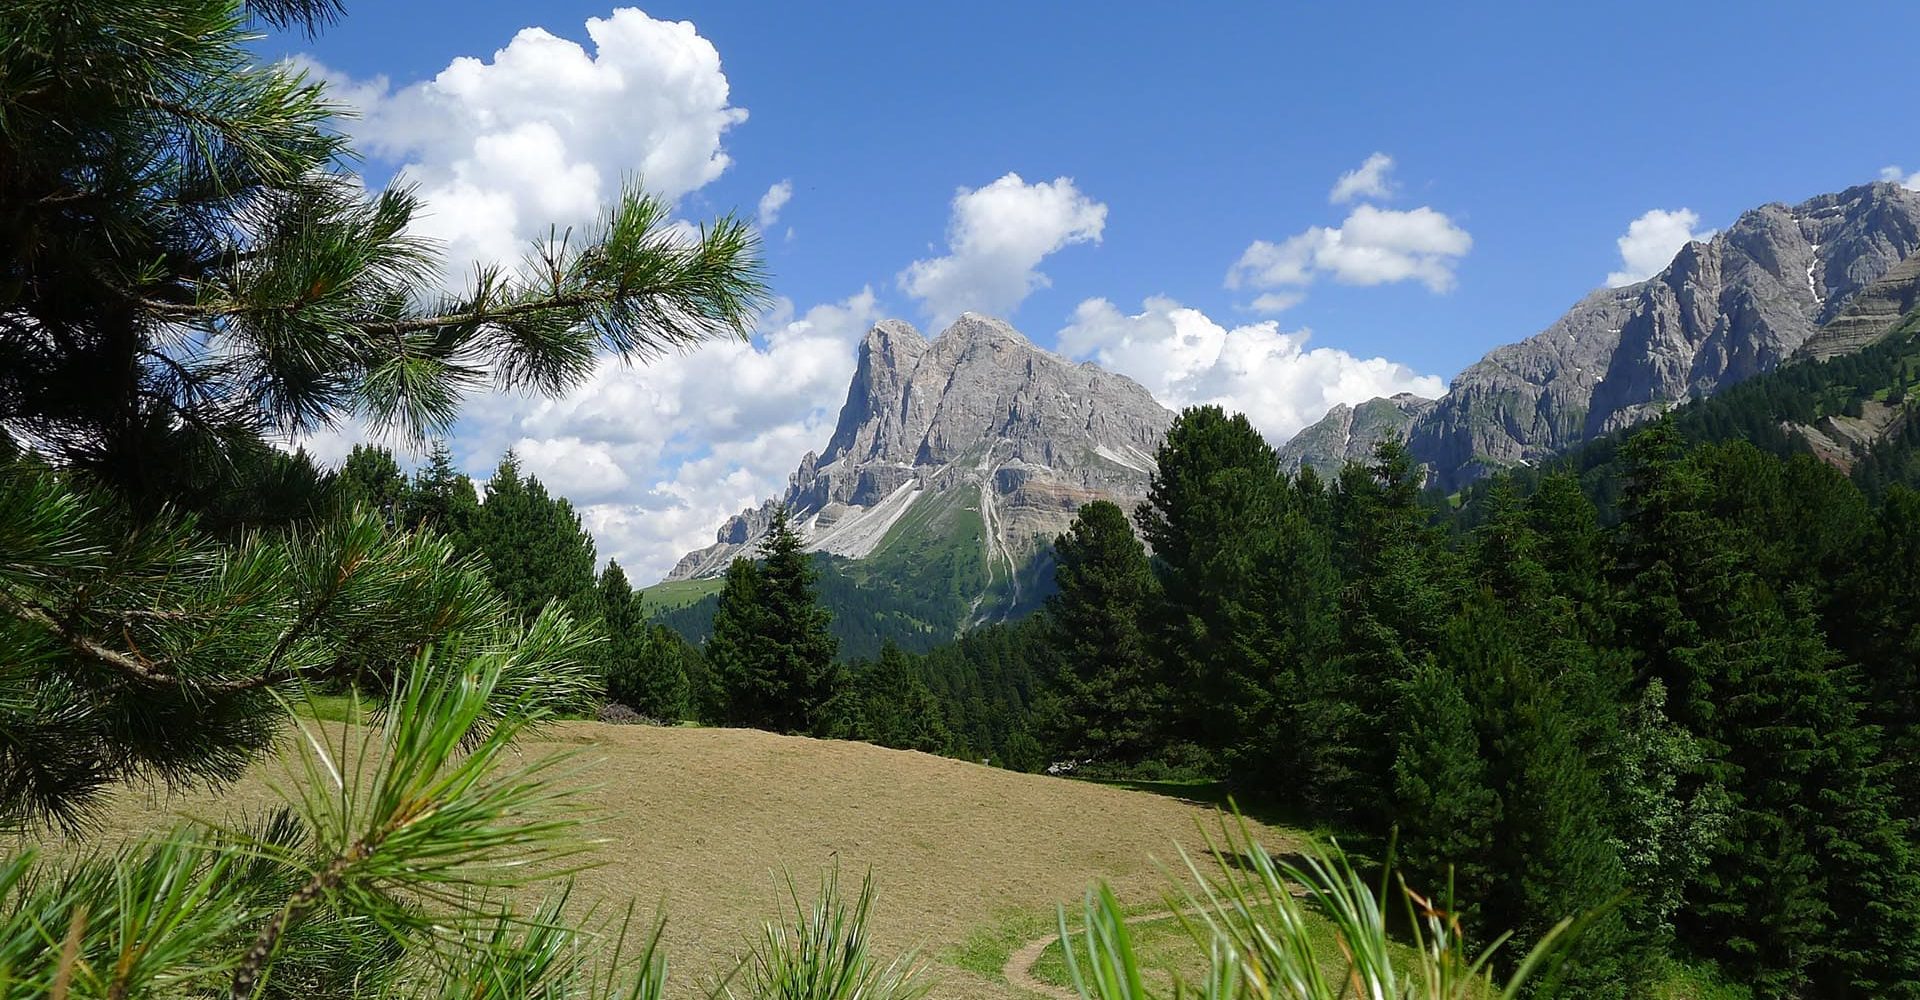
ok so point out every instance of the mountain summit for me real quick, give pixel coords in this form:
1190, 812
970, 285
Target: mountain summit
977, 438
1724, 310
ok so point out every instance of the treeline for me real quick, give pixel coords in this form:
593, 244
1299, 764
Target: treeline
533, 548
1704, 696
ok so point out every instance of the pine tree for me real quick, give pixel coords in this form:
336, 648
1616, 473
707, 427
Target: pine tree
371, 477
186, 274
1447, 812
535, 547
772, 647
1212, 515
1111, 695
646, 663
896, 708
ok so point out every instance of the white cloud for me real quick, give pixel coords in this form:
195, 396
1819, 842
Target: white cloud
1898, 176
997, 237
581, 471
1650, 242
1186, 358
772, 202
1277, 302
545, 132
657, 456
1368, 180
1374, 246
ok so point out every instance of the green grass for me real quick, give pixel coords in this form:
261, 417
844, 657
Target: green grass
333, 708
679, 593
1166, 949
986, 949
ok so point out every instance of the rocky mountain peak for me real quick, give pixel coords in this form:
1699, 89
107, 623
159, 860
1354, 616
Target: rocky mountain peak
1724, 310
1007, 438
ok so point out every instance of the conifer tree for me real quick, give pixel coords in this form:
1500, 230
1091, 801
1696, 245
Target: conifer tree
1111, 696
1212, 514
371, 477
646, 666
187, 273
772, 647
442, 498
535, 547
1447, 812
896, 707
1395, 601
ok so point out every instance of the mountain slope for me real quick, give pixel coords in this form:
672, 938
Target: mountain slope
954, 464
975, 433
1723, 311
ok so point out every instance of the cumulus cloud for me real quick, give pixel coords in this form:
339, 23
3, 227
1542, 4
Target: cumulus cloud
658, 456
1184, 358
1910, 181
1650, 242
996, 239
546, 131
772, 202
1374, 246
1368, 180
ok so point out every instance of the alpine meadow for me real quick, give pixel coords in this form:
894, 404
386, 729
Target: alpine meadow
446, 552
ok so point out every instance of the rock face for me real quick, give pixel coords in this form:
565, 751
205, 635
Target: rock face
1348, 433
1872, 314
1024, 437
1724, 310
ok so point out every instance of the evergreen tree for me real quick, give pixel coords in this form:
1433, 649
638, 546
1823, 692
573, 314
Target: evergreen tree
646, 663
1212, 516
1395, 601
1448, 814
186, 273
371, 478
772, 648
535, 547
896, 707
442, 498
1111, 695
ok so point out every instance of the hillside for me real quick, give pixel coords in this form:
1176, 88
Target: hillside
1726, 309
969, 860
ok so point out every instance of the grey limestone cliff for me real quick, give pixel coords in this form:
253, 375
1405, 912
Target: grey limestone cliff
1724, 310
1021, 436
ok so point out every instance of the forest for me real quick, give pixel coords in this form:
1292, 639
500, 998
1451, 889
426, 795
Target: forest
1661, 691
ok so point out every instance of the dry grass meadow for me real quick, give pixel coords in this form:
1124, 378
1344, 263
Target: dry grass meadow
969, 861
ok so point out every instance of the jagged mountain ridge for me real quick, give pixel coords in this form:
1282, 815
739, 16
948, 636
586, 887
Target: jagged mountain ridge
1724, 310
976, 434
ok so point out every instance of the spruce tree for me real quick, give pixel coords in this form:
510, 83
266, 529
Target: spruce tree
1396, 598
535, 547
1447, 813
772, 647
646, 670
896, 707
1111, 697
1213, 510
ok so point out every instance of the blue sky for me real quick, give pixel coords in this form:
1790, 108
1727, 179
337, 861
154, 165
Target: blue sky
1521, 141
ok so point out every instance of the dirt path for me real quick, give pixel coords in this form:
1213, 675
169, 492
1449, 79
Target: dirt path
1018, 971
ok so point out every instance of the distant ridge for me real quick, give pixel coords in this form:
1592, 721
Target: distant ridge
1723, 311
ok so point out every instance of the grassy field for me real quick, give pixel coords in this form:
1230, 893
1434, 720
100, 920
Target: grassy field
970, 861
679, 593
